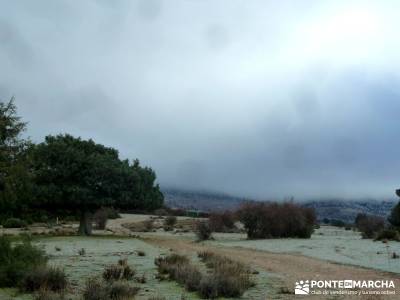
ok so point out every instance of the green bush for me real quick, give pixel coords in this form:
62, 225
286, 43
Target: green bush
17, 261
49, 278
14, 223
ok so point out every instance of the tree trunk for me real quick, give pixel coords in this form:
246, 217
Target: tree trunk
85, 224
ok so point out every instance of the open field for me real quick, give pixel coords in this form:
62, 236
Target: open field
331, 253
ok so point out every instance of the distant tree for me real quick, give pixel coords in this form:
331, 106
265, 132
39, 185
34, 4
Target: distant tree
15, 176
361, 217
394, 217
326, 221
221, 221
368, 225
203, 230
269, 220
82, 176
337, 223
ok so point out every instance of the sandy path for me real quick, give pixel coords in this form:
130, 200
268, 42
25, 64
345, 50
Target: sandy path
290, 268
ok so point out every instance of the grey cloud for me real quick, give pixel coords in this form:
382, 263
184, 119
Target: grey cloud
264, 99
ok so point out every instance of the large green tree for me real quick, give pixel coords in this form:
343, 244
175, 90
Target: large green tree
15, 176
82, 176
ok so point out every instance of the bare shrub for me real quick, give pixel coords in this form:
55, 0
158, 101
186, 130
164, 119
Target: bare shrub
44, 294
274, 220
179, 268
228, 278
148, 225
119, 271
203, 230
100, 218
94, 290
222, 222
117, 290
49, 278
141, 279
121, 291
164, 263
227, 272
369, 226
388, 234
169, 223
112, 272
128, 273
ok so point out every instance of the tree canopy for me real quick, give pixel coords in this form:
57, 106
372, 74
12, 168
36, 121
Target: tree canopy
15, 177
68, 173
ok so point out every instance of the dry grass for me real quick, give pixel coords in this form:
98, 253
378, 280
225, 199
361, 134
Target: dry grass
227, 279
118, 290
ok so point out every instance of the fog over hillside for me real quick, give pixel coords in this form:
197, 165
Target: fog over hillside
269, 99
345, 210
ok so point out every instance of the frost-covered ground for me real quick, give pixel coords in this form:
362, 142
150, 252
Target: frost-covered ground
102, 251
327, 243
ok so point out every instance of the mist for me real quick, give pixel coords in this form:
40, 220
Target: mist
260, 99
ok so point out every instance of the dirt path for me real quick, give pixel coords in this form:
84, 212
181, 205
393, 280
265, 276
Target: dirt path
290, 268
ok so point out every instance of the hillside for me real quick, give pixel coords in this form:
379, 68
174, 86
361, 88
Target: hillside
331, 209
347, 210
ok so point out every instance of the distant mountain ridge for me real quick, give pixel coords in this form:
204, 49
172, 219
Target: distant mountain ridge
330, 209
348, 210
200, 200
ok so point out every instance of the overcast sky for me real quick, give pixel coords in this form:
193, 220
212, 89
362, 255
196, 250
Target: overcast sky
266, 99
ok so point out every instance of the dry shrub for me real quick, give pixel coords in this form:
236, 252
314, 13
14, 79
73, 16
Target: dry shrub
141, 279
118, 290
203, 231
128, 273
388, 234
112, 272
232, 277
169, 223
222, 222
44, 294
179, 268
94, 290
121, 291
142, 226
48, 278
227, 279
164, 263
276, 220
369, 225
100, 218
119, 271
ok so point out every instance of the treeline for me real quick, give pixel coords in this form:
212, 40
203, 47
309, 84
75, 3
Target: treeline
66, 174
262, 220
375, 227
